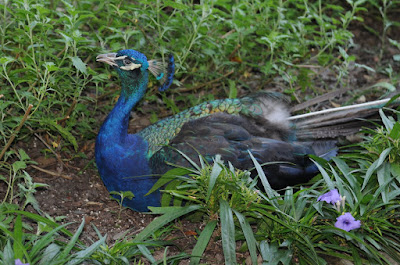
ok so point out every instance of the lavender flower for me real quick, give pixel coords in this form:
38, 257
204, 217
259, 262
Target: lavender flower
347, 222
332, 196
19, 262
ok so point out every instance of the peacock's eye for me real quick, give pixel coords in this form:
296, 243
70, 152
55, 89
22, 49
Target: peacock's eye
127, 61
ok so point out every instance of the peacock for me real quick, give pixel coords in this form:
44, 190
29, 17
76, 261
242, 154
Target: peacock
259, 124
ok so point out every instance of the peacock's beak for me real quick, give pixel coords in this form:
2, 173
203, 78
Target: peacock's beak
108, 58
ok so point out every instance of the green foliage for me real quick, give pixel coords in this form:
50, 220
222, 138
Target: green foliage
211, 183
17, 176
19, 241
57, 245
47, 53
384, 140
119, 197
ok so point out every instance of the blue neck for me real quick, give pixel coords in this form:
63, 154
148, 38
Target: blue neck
133, 89
121, 158
117, 121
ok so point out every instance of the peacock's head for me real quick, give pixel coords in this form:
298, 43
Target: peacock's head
131, 64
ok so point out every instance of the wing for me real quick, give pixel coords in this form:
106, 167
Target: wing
258, 108
232, 136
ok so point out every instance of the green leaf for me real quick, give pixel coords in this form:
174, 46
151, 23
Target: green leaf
39, 218
386, 85
325, 176
366, 67
272, 255
157, 223
170, 103
50, 66
396, 57
216, 170
8, 254
394, 43
79, 65
375, 166
175, 5
45, 240
124, 194
395, 132
23, 155
18, 165
72, 241
49, 254
87, 252
6, 60
146, 252
166, 197
395, 168
249, 235
202, 242
167, 177
64, 132
18, 245
30, 199
267, 187
227, 232
386, 121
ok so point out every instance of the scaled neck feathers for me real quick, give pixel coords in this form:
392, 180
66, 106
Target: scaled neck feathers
132, 92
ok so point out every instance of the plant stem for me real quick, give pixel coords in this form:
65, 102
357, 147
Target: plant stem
26, 115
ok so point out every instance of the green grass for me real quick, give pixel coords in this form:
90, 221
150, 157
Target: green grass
50, 84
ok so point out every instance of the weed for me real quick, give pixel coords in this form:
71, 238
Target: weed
119, 197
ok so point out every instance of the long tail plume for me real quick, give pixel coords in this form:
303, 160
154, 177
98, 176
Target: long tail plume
335, 122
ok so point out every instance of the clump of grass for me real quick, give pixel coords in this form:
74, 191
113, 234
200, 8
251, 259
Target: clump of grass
52, 243
20, 242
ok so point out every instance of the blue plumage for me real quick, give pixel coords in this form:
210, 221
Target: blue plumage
229, 127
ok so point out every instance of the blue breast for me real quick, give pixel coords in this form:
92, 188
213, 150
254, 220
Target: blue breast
129, 169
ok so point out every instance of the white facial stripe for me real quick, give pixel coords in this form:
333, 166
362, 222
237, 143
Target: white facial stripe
131, 66
120, 57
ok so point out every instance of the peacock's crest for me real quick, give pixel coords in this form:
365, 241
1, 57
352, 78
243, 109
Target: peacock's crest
164, 72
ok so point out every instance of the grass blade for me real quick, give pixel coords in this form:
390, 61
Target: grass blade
227, 232
18, 245
39, 218
325, 176
202, 242
375, 165
81, 255
164, 219
45, 240
73, 241
49, 254
146, 252
267, 187
216, 170
249, 235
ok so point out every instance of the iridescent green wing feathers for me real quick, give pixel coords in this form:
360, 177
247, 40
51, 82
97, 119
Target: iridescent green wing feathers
162, 132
